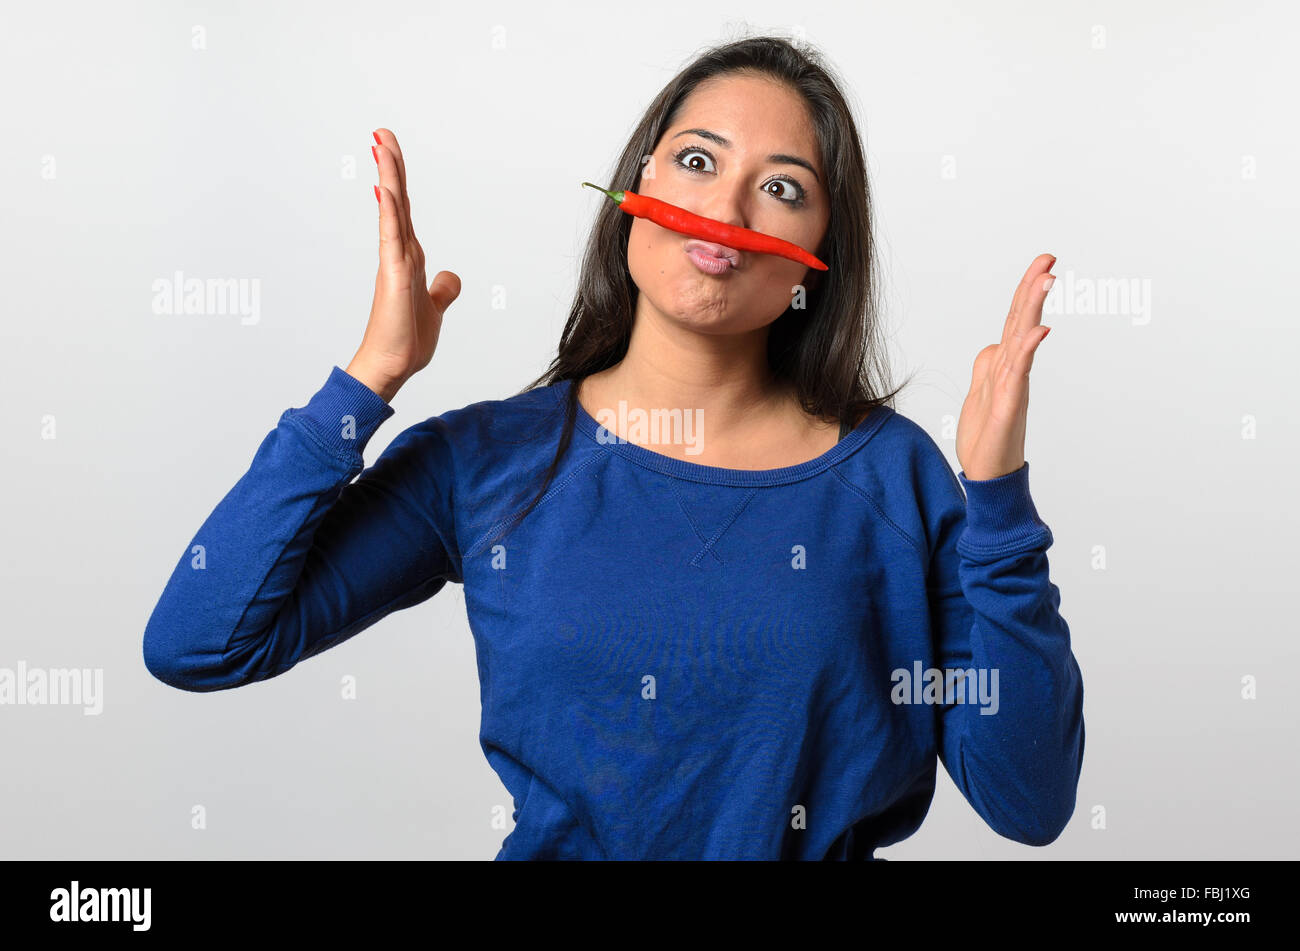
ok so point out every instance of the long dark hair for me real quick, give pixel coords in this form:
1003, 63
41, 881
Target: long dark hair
830, 347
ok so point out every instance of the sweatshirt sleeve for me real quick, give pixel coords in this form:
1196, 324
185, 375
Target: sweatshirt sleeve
1017, 760
298, 557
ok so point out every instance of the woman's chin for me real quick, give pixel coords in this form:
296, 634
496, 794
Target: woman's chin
713, 320
703, 303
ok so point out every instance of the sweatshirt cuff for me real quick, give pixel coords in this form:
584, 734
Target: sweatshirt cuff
344, 414
1000, 514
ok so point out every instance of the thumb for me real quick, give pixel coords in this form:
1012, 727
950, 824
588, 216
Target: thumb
444, 289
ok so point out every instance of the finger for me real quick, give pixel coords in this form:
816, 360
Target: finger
1015, 322
1024, 291
444, 289
1031, 308
1019, 365
388, 140
390, 178
985, 361
392, 260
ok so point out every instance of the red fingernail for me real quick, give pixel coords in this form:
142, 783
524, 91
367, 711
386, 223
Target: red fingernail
377, 140
1046, 332
375, 154
377, 198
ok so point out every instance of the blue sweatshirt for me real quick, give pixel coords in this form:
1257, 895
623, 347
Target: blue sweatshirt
676, 661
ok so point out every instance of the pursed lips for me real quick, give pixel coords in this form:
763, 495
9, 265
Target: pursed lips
717, 250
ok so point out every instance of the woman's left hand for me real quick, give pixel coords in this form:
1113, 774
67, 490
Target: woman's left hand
991, 430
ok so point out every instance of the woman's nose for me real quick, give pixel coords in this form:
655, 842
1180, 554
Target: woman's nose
726, 208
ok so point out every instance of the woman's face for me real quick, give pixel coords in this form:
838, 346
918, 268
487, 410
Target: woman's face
751, 179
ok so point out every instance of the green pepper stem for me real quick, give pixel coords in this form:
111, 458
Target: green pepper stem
617, 196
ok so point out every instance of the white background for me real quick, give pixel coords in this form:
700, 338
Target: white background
1125, 152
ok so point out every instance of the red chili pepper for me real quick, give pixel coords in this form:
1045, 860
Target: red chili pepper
708, 229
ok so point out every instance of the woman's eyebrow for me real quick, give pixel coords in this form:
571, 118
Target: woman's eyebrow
776, 157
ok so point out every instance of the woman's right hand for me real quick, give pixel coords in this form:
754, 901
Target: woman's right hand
405, 318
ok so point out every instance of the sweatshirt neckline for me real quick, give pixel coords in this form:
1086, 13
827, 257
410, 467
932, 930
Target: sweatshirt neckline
717, 475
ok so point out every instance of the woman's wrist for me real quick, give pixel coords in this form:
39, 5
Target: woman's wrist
384, 385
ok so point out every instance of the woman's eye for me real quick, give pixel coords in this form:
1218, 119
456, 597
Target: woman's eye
691, 164
786, 191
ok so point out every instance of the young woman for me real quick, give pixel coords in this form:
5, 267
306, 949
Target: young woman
755, 642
